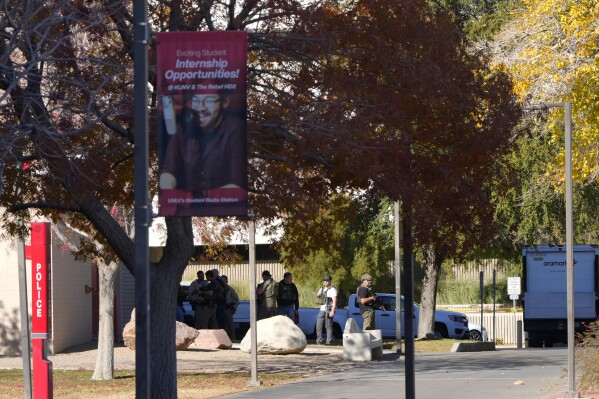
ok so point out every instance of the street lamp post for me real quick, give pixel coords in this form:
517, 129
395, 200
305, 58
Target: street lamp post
567, 106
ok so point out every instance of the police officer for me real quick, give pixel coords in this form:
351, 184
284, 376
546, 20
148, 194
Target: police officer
327, 299
366, 302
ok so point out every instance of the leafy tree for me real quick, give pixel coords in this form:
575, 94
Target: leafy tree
338, 92
350, 236
549, 47
478, 20
531, 210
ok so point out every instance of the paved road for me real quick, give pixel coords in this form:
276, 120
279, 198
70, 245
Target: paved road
503, 374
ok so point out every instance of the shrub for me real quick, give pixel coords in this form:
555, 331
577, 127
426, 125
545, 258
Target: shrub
588, 356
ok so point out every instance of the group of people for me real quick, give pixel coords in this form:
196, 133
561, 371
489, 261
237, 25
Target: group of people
277, 298
282, 298
214, 302
327, 299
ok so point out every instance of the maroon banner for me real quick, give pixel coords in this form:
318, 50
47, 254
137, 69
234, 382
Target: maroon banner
202, 123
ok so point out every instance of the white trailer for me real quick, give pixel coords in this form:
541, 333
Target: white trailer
544, 300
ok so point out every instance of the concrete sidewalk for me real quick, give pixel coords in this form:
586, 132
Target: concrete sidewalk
502, 374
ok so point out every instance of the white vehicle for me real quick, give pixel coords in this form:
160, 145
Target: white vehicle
448, 324
545, 289
475, 333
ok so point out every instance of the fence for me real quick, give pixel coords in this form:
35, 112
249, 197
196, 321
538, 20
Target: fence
467, 271
505, 325
238, 273
471, 270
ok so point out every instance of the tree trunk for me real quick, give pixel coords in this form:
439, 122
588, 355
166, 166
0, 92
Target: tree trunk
165, 277
432, 263
105, 358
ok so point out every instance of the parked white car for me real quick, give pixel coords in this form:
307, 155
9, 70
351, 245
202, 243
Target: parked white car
476, 333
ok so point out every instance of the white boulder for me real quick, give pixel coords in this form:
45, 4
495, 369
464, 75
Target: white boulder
277, 335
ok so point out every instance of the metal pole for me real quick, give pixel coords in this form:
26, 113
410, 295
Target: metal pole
482, 300
254, 381
494, 302
397, 262
514, 316
142, 213
25, 339
569, 250
408, 258
567, 106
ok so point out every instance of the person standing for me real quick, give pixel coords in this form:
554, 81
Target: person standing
181, 297
208, 313
219, 299
366, 302
327, 298
288, 297
231, 303
196, 296
267, 292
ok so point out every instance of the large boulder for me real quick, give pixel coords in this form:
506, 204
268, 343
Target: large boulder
276, 335
185, 335
213, 339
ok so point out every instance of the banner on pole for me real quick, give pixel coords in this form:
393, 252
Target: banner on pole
202, 123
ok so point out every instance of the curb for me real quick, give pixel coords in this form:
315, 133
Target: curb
473, 346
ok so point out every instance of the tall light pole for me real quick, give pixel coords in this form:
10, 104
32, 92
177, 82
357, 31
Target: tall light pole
142, 205
398, 228
567, 106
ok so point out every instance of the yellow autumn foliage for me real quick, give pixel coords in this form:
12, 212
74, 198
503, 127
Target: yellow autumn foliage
550, 48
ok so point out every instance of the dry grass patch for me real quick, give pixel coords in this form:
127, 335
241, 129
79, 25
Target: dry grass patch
78, 384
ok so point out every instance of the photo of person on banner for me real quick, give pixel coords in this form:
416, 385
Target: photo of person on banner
206, 148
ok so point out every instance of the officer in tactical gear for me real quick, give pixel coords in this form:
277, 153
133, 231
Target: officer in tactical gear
266, 293
287, 297
327, 299
366, 302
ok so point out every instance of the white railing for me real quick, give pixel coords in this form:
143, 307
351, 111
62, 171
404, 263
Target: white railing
505, 325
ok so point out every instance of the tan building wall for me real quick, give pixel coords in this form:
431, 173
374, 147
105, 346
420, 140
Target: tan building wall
71, 309
10, 324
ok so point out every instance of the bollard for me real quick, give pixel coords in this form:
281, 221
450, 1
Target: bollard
519, 334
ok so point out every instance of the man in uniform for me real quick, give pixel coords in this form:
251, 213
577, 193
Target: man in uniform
327, 298
366, 302
231, 303
288, 297
195, 293
267, 292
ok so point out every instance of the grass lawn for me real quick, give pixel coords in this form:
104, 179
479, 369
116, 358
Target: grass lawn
78, 384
